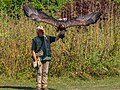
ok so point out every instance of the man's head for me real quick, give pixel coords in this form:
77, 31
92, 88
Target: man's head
40, 31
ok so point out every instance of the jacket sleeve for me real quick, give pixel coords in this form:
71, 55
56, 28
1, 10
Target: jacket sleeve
52, 39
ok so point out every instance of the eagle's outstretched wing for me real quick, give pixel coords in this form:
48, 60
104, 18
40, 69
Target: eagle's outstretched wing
61, 24
39, 16
84, 20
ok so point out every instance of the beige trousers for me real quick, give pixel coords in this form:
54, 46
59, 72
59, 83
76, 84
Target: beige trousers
42, 74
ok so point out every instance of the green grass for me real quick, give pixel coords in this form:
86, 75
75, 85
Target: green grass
64, 83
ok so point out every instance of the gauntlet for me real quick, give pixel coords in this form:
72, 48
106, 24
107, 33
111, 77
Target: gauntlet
61, 35
37, 63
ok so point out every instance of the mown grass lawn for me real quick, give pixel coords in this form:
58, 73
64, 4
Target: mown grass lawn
64, 83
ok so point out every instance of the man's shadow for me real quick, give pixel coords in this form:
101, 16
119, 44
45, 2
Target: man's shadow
21, 88
17, 87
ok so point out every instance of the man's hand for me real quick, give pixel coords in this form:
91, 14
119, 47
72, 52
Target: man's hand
35, 64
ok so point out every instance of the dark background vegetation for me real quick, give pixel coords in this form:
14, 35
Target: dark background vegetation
88, 52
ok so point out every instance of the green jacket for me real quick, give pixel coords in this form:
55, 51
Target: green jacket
43, 43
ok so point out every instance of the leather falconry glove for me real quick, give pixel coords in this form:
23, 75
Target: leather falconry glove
61, 35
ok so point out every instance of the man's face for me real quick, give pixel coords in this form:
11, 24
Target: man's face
41, 32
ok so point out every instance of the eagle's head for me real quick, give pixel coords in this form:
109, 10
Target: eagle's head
61, 27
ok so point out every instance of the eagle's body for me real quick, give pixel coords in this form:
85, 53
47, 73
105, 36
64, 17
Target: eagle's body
40, 16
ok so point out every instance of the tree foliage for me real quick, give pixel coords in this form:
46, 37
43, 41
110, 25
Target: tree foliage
13, 7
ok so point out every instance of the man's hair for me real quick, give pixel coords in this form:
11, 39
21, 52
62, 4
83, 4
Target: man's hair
39, 28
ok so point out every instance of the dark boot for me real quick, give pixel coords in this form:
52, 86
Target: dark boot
38, 88
45, 88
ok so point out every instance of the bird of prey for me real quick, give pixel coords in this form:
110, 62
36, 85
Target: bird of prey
61, 25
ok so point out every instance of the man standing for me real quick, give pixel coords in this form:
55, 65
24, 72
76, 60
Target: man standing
41, 53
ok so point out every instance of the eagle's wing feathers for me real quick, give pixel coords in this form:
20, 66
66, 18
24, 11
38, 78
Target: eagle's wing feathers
39, 15
84, 20
77, 21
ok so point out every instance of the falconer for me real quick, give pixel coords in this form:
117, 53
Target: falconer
41, 53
